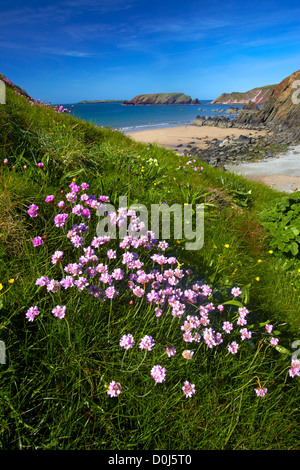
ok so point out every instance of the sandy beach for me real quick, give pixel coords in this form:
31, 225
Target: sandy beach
281, 172
182, 136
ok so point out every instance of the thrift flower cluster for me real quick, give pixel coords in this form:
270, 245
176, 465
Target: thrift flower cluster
139, 266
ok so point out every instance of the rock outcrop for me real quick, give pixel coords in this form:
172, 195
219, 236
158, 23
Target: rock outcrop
256, 95
282, 109
161, 99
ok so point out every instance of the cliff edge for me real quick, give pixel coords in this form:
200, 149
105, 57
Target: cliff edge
256, 95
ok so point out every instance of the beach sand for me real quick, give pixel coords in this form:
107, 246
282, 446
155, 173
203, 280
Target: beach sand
281, 173
181, 136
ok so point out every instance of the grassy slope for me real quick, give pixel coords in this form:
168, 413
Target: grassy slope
114, 165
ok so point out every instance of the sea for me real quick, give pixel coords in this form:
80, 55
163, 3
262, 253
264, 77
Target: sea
126, 118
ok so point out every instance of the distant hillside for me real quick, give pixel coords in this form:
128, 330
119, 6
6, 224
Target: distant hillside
256, 95
99, 101
161, 99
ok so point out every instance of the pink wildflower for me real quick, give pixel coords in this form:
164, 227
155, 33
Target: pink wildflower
37, 241
33, 210
158, 373
57, 257
59, 311
49, 198
53, 286
60, 220
127, 341
147, 342
111, 292
31, 313
227, 327
245, 333
261, 392
233, 348
269, 328
171, 351
188, 389
295, 368
114, 389
236, 291
274, 341
187, 354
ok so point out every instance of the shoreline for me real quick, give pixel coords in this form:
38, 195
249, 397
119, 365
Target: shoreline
182, 136
280, 172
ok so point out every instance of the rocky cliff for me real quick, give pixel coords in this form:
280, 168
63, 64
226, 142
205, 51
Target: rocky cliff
161, 99
256, 95
281, 110
283, 105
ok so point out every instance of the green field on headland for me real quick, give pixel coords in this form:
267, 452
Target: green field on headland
139, 344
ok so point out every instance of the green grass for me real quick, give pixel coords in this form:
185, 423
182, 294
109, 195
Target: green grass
53, 392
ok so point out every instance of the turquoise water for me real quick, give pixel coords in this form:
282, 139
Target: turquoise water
136, 118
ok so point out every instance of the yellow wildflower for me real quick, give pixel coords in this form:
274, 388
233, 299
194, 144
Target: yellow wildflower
1, 286
257, 278
11, 281
226, 245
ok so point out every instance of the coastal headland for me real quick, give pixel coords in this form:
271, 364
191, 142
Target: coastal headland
261, 142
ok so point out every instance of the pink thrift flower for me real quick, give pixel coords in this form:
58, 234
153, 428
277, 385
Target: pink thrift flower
187, 354
227, 326
111, 292
147, 342
49, 199
245, 333
59, 311
158, 373
269, 328
67, 282
37, 241
188, 389
236, 291
111, 254
57, 257
127, 341
233, 348
114, 389
33, 210
171, 351
42, 281
295, 368
274, 341
60, 220
117, 274
53, 286
81, 283
31, 313
261, 392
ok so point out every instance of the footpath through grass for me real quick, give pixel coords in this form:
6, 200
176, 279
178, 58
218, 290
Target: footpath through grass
136, 343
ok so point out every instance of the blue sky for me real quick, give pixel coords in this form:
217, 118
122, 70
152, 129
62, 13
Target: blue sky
65, 51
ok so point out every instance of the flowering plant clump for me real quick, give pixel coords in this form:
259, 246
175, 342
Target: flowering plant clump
137, 270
